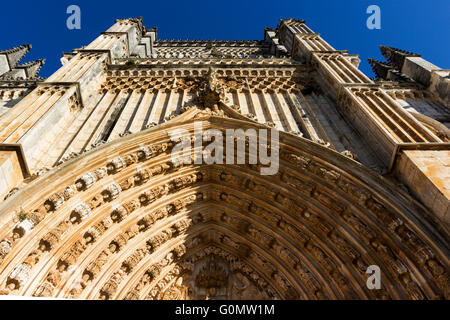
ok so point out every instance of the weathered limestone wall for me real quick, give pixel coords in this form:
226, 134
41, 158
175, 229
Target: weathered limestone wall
40, 140
427, 175
9, 98
45, 121
10, 171
416, 103
419, 69
99, 95
440, 84
4, 67
436, 80
377, 114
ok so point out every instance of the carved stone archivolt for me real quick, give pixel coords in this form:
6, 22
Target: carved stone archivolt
125, 222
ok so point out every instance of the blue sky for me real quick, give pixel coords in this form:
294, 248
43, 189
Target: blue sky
414, 25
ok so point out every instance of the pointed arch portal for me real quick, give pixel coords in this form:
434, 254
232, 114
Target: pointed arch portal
122, 221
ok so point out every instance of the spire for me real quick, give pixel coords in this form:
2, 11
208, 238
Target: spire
10, 69
15, 54
396, 57
381, 69
26, 71
32, 68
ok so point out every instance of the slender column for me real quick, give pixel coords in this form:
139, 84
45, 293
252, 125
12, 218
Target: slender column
303, 118
172, 102
96, 136
261, 110
272, 111
125, 115
138, 121
156, 109
288, 118
84, 133
17, 132
183, 98
237, 101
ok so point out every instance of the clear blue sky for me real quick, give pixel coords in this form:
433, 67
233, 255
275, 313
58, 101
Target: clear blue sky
414, 25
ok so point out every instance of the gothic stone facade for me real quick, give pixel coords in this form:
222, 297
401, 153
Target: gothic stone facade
94, 208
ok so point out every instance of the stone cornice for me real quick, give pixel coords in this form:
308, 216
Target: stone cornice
67, 84
82, 50
13, 84
214, 43
193, 62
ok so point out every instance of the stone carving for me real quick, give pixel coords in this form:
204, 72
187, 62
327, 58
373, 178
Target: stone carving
132, 260
44, 290
18, 276
216, 274
86, 181
50, 239
54, 202
94, 232
141, 177
270, 217
110, 287
116, 165
118, 214
70, 257
260, 236
23, 227
126, 184
94, 268
5, 248
111, 191
144, 153
296, 183
413, 290
343, 245
11, 193
328, 201
80, 212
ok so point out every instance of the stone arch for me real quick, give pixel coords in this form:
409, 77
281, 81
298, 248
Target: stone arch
320, 221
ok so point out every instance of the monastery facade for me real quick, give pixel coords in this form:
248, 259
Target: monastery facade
94, 207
